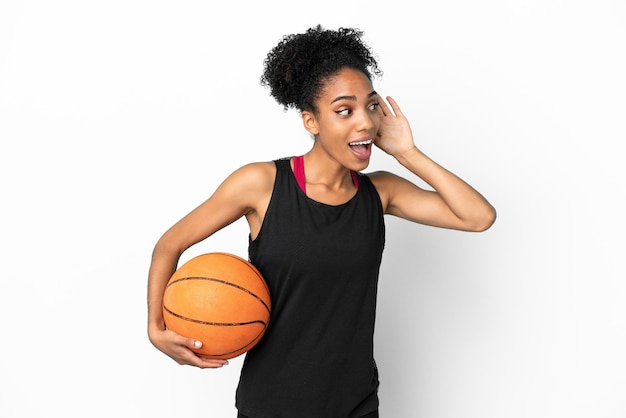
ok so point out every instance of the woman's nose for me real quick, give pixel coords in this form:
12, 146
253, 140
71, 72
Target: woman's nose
365, 121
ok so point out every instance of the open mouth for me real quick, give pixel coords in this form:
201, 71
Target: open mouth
362, 149
358, 144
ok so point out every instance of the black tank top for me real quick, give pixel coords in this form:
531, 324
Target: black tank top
321, 264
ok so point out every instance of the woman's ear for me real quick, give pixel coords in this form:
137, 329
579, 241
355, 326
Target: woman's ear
310, 122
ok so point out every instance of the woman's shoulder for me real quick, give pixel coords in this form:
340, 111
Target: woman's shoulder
247, 185
386, 184
382, 178
256, 174
259, 167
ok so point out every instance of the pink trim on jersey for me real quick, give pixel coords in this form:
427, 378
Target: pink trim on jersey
298, 171
355, 179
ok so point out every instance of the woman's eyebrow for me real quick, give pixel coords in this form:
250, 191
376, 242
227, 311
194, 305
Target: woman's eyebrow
336, 99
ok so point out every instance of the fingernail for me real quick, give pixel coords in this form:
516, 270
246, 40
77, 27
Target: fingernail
197, 344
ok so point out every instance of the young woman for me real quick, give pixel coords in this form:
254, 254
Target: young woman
317, 232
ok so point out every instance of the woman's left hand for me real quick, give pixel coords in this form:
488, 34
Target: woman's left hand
394, 135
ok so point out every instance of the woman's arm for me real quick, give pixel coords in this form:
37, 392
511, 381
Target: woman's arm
246, 192
451, 204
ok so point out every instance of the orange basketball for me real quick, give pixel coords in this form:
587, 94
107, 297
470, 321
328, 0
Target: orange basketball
220, 299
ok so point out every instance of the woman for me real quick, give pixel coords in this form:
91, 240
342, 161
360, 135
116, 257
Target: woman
317, 232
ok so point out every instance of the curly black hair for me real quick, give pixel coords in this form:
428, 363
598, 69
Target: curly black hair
295, 70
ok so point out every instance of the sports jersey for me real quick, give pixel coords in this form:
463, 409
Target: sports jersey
321, 263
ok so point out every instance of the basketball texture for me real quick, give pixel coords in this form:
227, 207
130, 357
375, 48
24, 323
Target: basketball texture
220, 299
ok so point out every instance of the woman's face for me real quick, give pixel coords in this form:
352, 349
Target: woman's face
347, 119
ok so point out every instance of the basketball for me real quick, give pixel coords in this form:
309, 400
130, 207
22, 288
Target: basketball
219, 299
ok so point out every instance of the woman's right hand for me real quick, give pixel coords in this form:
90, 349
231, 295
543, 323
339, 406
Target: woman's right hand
179, 349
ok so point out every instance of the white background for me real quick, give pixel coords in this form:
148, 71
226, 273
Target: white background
118, 117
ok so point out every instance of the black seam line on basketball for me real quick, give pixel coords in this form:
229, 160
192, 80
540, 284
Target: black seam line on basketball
211, 279
244, 347
254, 270
217, 324
228, 353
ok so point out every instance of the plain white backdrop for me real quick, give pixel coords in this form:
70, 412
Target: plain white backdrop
118, 117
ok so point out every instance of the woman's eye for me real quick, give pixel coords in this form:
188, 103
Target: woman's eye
374, 106
343, 112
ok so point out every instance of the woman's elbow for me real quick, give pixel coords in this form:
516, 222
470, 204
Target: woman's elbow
485, 220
